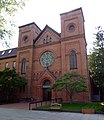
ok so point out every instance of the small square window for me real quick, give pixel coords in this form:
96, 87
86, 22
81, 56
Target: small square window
14, 64
6, 65
47, 40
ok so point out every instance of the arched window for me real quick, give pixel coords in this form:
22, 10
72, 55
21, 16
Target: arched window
73, 60
23, 66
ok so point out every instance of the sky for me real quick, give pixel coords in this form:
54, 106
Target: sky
48, 12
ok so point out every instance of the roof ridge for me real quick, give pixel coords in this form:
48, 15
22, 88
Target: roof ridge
30, 24
8, 49
8, 53
44, 30
80, 8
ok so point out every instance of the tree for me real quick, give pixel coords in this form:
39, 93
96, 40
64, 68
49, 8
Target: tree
96, 59
9, 82
71, 82
7, 11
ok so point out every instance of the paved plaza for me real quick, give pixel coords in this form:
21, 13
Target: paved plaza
20, 114
16, 106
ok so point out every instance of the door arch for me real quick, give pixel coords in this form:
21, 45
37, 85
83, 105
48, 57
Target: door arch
46, 90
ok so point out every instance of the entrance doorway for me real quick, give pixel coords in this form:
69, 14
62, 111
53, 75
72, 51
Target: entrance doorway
46, 90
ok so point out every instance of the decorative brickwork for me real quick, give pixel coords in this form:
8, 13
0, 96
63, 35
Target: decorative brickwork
48, 56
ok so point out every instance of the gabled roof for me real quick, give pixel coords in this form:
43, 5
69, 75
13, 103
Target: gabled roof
8, 53
47, 73
44, 30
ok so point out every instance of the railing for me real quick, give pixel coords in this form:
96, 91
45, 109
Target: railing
41, 103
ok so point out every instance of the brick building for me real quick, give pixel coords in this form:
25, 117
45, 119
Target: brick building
44, 55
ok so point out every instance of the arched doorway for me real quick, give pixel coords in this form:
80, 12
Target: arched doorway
46, 90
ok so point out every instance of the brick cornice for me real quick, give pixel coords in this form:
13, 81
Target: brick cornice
73, 37
8, 57
44, 45
26, 47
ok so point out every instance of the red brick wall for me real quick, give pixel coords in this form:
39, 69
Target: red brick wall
71, 39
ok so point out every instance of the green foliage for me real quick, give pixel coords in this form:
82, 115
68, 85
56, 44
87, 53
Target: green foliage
71, 82
96, 59
7, 11
9, 81
102, 106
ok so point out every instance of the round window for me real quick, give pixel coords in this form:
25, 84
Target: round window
46, 59
71, 27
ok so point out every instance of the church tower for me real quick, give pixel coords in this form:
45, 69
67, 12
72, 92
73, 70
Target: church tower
73, 39
72, 23
27, 34
73, 44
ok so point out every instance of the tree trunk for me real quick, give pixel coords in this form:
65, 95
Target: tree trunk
101, 94
70, 93
7, 95
71, 98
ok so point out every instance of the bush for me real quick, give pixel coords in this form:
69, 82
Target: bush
102, 106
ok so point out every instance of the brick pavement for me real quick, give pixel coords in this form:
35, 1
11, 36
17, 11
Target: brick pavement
16, 106
22, 105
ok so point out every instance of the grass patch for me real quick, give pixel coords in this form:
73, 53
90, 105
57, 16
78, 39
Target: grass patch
80, 106
77, 106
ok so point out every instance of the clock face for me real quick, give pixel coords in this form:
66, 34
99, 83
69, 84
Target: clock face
47, 59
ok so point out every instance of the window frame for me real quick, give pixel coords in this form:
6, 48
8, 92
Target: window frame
14, 65
6, 65
73, 60
23, 66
